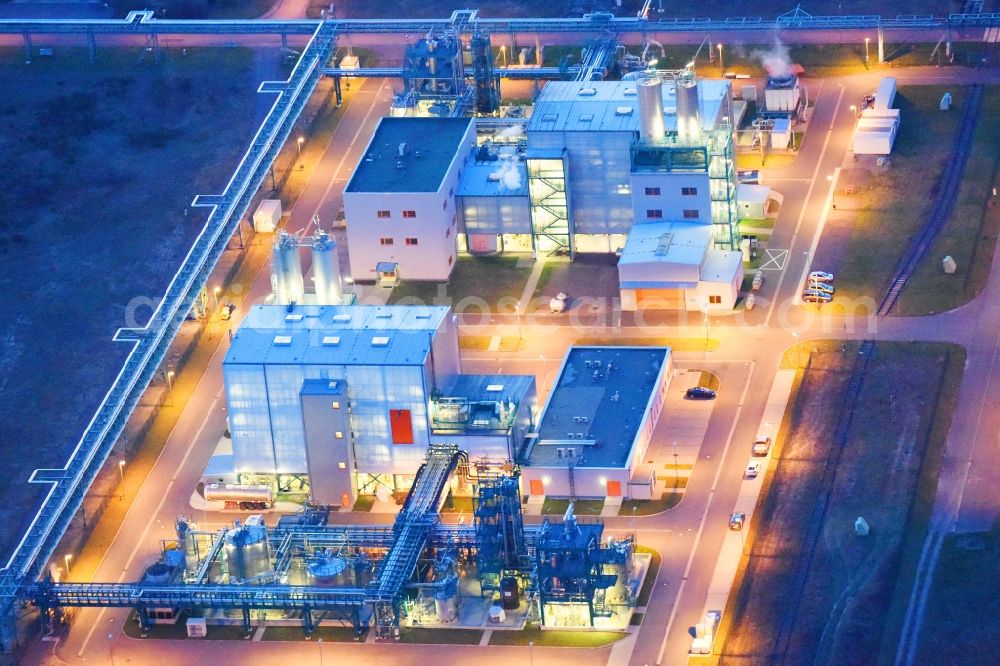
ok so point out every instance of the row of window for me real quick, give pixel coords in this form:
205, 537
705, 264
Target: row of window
685, 191
385, 214
657, 214
391, 241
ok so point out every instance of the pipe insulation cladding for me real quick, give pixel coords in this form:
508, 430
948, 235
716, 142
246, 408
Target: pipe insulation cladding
649, 89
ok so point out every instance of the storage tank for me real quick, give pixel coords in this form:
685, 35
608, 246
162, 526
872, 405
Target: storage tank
446, 606
326, 269
510, 596
247, 554
688, 115
286, 270
649, 90
157, 574
325, 568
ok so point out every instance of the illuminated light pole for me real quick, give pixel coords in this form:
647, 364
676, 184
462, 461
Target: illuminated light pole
867, 40
170, 388
854, 111
796, 349
66, 558
517, 310
833, 192
722, 68
503, 53
299, 142
121, 470
215, 292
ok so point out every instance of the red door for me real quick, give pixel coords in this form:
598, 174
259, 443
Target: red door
536, 487
614, 488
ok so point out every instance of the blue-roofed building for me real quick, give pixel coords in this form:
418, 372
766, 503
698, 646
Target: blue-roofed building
351, 397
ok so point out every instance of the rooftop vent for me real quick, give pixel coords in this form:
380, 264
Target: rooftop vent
549, 117
623, 111
494, 388
663, 245
331, 340
343, 318
282, 340
629, 92
295, 316
585, 118
380, 341
587, 92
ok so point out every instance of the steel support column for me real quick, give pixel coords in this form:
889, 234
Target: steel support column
27, 47
247, 629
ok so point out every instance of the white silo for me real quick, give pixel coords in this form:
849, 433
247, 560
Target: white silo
649, 90
286, 270
326, 269
688, 115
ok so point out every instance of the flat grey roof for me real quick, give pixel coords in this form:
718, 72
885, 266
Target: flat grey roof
431, 145
605, 407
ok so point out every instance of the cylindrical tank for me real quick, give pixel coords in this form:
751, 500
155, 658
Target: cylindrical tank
286, 270
247, 554
157, 574
510, 596
326, 568
649, 90
326, 270
446, 606
688, 116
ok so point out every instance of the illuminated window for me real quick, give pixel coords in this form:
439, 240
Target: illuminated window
338, 435
409, 213
715, 299
336, 404
341, 465
411, 241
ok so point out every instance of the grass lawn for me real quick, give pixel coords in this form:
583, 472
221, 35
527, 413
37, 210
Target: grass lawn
961, 609
491, 283
572, 639
650, 507
654, 568
970, 233
100, 160
364, 503
325, 634
676, 344
856, 589
581, 507
893, 204
440, 636
457, 505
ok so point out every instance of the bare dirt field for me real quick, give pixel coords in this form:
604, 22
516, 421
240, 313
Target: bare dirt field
848, 608
98, 164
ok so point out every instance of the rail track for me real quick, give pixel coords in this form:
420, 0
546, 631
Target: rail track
944, 203
803, 563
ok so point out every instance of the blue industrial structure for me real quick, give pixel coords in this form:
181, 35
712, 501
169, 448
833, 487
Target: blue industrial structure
224, 575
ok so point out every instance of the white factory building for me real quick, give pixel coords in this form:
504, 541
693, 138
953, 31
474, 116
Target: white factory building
351, 397
595, 161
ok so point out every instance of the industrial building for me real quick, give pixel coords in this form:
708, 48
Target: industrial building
595, 161
351, 397
597, 426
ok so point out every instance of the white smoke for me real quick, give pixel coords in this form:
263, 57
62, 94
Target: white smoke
776, 61
508, 173
510, 132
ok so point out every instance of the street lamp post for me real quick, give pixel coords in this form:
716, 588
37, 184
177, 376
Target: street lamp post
170, 387
796, 335
215, 293
531, 652
66, 558
867, 40
833, 192
299, 142
503, 54
722, 67
517, 311
854, 111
